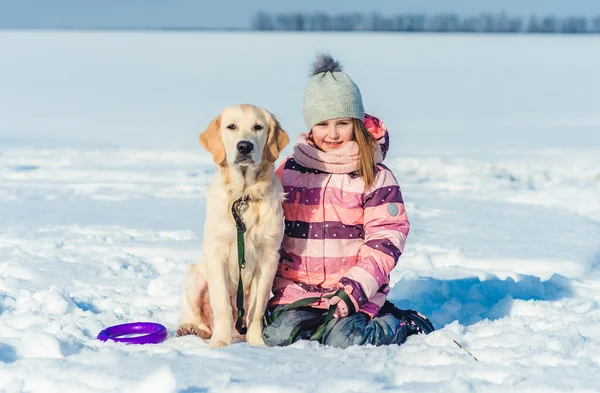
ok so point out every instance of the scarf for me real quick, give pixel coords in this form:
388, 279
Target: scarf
342, 160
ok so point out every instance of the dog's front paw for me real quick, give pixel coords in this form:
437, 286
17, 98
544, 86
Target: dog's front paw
254, 336
256, 341
187, 329
218, 343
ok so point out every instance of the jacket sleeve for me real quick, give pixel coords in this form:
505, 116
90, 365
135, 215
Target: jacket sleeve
385, 226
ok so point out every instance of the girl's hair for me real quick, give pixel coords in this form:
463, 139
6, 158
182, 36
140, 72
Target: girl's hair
366, 152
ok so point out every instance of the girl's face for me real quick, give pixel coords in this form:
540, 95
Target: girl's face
330, 135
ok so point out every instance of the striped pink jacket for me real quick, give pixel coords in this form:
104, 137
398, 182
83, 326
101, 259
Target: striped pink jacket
339, 235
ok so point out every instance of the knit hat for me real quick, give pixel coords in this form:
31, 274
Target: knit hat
330, 93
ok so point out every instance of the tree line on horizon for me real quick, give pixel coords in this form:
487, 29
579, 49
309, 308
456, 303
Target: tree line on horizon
443, 22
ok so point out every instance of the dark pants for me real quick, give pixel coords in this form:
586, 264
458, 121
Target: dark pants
356, 329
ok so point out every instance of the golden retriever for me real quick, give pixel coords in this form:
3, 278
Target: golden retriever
245, 141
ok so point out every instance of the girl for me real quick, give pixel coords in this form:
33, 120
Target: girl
345, 226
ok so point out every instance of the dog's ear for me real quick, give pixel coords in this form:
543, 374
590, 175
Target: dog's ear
211, 140
277, 140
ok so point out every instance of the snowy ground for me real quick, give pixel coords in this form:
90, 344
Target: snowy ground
102, 207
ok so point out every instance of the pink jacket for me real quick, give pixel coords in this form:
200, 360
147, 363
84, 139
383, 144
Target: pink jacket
337, 235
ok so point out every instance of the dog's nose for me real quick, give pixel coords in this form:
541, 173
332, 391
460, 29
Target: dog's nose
244, 147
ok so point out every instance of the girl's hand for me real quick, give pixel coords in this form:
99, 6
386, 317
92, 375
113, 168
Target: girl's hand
341, 310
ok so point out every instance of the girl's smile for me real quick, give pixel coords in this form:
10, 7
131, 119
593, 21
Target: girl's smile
330, 135
333, 145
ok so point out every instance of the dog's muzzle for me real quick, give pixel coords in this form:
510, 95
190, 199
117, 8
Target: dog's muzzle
244, 155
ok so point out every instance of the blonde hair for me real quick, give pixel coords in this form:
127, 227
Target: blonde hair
366, 152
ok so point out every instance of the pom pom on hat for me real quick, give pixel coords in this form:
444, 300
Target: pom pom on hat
325, 63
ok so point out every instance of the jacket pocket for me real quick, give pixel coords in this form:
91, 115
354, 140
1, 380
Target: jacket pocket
285, 266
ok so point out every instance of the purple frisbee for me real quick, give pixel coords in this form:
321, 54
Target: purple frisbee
145, 333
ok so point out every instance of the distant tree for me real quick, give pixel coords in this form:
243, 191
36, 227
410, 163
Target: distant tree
488, 22
294, 22
505, 24
549, 24
348, 22
485, 22
534, 26
381, 23
443, 23
319, 22
416, 23
582, 25
596, 25
263, 21
451, 22
400, 23
573, 25
433, 23
515, 25
470, 24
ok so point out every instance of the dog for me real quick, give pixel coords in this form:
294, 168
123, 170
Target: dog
244, 141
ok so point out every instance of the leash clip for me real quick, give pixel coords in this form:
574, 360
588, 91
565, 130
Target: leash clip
242, 206
237, 209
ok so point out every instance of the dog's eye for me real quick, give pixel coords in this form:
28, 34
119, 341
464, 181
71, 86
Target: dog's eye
231, 126
258, 127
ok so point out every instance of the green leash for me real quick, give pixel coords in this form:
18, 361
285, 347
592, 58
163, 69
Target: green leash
237, 209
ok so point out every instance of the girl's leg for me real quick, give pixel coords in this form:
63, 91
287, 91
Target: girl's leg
417, 323
300, 323
391, 326
360, 329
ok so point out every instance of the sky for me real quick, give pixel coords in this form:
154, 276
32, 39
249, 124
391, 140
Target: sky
239, 13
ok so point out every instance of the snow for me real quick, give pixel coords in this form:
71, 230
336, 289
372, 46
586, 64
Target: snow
102, 208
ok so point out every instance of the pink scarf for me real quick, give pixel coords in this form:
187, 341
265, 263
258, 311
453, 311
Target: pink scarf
342, 160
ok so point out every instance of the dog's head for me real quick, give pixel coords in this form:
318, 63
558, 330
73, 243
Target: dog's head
244, 135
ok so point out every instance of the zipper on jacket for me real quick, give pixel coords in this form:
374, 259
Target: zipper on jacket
323, 198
